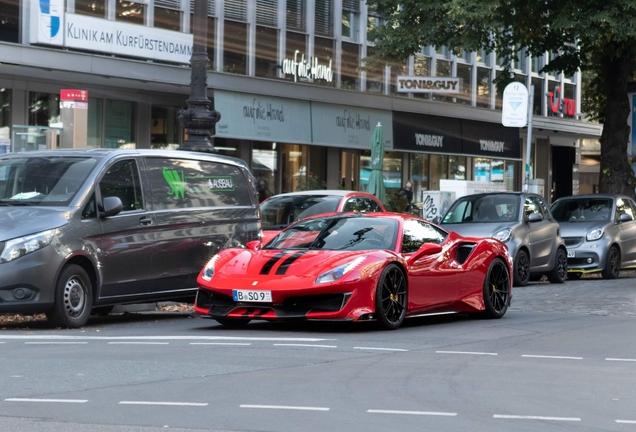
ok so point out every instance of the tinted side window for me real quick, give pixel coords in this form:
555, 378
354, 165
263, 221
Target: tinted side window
90, 209
532, 205
416, 233
623, 206
354, 204
372, 205
183, 183
122, 181
461, 212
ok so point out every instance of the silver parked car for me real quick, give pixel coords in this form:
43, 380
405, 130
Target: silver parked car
523, 222
599, 232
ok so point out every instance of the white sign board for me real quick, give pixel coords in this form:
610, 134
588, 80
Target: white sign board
514, 112
436, 203
424, 84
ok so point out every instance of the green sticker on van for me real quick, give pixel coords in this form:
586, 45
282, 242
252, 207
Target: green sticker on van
177, 184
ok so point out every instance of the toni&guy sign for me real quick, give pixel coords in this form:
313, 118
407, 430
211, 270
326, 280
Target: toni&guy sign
421, 84
299, 67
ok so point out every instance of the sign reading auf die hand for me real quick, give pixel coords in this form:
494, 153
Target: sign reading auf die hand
514, 112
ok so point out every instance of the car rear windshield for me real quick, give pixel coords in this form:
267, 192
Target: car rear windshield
483, 209
42, 181
278, 212
582, 210
338, 233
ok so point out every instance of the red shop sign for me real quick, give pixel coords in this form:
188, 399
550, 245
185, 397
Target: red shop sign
74, 95
559, 104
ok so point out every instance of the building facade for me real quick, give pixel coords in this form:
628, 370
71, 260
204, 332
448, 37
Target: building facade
295, 103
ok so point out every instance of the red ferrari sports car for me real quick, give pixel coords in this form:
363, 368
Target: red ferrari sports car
355, 267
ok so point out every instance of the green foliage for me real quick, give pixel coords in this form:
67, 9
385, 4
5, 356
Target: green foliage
311, 182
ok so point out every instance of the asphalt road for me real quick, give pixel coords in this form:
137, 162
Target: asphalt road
562, 358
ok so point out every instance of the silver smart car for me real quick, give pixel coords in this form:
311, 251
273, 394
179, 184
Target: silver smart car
523, 222
599, 232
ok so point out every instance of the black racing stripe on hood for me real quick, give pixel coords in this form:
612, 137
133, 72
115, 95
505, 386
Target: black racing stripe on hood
269, 264
285, 265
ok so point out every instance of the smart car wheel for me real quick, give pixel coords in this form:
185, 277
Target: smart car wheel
560, 271
522, 268
73, 298
612, 264
496, 289
390, 298
233, 322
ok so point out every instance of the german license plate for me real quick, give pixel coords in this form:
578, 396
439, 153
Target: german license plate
571, 254
252, 296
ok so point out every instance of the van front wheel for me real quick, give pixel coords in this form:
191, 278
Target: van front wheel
73, 298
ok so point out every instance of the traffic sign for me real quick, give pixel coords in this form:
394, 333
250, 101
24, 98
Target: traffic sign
514, 112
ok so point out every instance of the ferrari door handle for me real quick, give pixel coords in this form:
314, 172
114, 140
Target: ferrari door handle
145, 221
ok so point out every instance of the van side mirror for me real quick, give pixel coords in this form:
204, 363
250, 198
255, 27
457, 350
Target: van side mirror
112, 207
425, 250
625, 217
535, 217
254, 245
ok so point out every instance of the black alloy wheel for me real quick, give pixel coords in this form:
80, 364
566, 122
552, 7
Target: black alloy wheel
496, 289
560, 271
522, 268
73, 298
612, 264
390, 298
233, 322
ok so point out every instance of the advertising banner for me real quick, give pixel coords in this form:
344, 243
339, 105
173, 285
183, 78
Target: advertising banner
490, 140
262, 118
429, 134
350, 127
425, 84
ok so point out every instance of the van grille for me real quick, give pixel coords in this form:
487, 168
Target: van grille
573, 241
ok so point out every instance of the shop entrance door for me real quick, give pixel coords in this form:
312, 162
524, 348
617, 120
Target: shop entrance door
562, 162
350, 170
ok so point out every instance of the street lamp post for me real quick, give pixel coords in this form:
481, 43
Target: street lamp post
198, 119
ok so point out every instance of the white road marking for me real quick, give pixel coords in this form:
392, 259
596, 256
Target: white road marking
284, 407
46, 400
552, 357
154, 338
380, 349
138, 343
426, 413
522, 417
220, 343
620, 359
55, 343
194, 404
306, 345
626, 421
466, 352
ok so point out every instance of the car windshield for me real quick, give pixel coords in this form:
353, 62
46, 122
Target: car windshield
338, 233
278, 212
42, 181
483, 209
582, 210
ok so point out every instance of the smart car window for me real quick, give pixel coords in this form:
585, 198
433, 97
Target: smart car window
416, 233
45, 181
531, 205
185, 183
582, 210
278, 212
460, 212
622, 206
122, 181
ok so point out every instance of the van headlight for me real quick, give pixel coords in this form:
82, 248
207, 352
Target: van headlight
208, 270
595, 234
337, 273
18, 247
504, 235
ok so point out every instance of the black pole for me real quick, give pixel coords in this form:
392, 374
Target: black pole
198, 119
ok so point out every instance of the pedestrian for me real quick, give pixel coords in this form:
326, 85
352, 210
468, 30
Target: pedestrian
408, 189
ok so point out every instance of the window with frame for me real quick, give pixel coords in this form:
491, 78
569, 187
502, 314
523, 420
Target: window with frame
122, 181
167, 18
130, 12
94, 8
483, 87
266, 52
324, 51
350, 18
416, 233
296, 17
350, 62
375, 76
10, 21
235, 48
324, 18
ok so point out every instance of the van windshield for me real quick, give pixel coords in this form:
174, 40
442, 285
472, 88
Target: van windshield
42, 181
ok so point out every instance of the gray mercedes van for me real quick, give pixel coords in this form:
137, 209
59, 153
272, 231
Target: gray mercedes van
84, 230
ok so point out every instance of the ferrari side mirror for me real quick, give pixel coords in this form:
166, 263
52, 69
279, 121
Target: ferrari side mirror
426, 250
253, 245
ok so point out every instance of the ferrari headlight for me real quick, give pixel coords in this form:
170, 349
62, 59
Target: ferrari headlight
18, 247
208, 270
337, 273
595, 234
504, 235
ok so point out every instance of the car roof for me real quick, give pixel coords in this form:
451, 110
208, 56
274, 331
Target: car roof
592, 196
485, 194
334, 192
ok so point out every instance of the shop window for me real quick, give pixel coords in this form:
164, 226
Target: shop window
294, 168
510, 175
483, 87
348, 169
119, 124
94, 8
95, 122
227, 147
419, 175
235, 48
439, 170
164, 128
324, 52
482, 169
375, 76
496, 170
457, 167
391, 170
295, 48
44, 109
267, 52
264, 167
130, 12
168, 19
464, 72
10, 20
349, 66
5, 113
